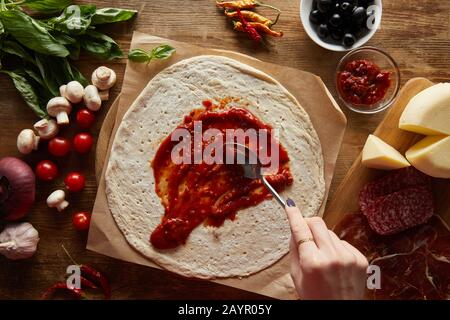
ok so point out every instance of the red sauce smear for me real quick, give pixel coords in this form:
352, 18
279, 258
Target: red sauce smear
193, 194
363, 83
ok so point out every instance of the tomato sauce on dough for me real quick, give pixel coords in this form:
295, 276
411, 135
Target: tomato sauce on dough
193, 194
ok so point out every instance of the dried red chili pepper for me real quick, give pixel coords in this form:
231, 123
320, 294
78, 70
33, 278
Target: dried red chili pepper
77, 293
99, 278
251, 16
87, 283
94, 275
248, 28
243, 4
258, 26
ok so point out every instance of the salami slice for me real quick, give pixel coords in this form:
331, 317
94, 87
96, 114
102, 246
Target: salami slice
400, 210
393, 182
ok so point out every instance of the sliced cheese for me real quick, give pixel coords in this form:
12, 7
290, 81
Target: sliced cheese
428, 112
378, 154
431, 155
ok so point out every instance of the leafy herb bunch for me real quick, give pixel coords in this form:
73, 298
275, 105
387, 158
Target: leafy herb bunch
44, 47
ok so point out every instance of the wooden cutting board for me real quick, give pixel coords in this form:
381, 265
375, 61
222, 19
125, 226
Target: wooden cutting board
346, 196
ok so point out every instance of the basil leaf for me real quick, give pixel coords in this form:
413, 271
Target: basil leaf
100, 45
63, 38
2, 29
78, 76
47, 6
47, 75
27, 92
71, 73
31, 34
74, 20
111, 15
35, 76
74, 50
16, 49
163, 51
139, 55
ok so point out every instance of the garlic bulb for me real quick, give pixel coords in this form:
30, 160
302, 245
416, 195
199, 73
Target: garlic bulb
18, 241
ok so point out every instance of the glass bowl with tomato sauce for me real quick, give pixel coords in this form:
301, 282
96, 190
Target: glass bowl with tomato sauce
367, 80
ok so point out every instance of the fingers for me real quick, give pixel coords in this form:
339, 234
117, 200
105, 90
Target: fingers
320, 233
360, 258
299, 228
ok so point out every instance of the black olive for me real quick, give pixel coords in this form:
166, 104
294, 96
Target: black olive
335, 20
316, 17
359, 15
323, 31
324, 5
337, 34
314, 5
346, 8
348, 40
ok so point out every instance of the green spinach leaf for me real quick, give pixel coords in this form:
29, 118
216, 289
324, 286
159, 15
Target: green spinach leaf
27, 92
31, 34
111, 15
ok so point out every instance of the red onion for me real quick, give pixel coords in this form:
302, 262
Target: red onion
17, 188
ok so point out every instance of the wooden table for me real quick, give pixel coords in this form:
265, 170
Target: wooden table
415, 33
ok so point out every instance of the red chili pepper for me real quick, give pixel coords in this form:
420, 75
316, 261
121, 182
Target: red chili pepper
99, 278
77, 293
87, 283
249, 29
94, 275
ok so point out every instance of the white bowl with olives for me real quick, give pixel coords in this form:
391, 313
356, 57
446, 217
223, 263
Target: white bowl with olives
340, 25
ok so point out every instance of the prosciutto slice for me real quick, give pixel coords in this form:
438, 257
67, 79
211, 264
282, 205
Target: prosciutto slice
414, 264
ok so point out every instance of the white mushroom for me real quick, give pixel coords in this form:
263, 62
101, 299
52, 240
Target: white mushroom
62, 90
27, 141
104, 95
73, 92
103, 78
59, 107
92, 98
46, 129
57, 200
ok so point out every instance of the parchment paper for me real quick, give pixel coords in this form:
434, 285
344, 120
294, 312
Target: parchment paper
327, 118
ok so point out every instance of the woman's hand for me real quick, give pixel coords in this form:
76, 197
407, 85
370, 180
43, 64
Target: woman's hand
322, 265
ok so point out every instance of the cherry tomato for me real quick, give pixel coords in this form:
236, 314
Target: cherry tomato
74, 182
59, 146
83, 142
46, 170
85, 118
81, 220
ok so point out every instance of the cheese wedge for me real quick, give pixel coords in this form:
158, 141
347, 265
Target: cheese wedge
428, 112
431, 155
378, 154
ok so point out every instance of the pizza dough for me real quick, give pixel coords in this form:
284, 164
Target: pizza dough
260, 235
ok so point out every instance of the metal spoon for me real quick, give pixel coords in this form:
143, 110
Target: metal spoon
253, 170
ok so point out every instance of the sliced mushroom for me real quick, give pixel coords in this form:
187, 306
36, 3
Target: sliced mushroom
27, 141
57, 200
92, 98
74, 92
46, 129
103, 78
59, 107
